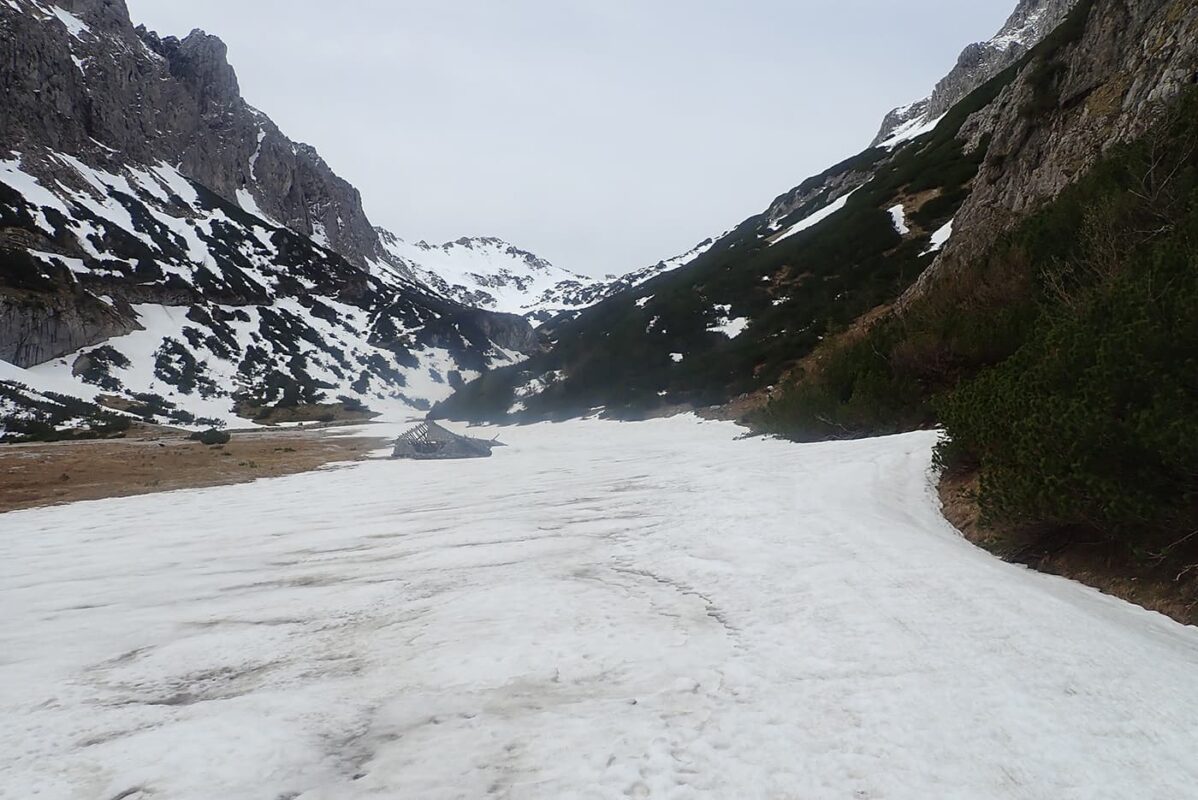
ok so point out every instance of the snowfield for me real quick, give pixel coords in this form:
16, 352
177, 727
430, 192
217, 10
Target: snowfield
601, 610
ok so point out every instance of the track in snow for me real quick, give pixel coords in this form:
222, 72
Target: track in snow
599, 611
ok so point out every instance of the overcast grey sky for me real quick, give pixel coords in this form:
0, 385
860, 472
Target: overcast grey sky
604, 135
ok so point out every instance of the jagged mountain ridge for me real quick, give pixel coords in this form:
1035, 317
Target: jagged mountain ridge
81, 78
165, 247
1031, 21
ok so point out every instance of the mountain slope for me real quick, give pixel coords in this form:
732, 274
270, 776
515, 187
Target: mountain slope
206, 306
739, 316
1054, 338
165, 248
829, 258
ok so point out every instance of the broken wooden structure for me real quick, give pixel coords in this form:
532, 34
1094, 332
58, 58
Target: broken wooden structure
429, 441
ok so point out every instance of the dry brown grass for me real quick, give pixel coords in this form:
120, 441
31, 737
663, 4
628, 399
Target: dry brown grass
153, 459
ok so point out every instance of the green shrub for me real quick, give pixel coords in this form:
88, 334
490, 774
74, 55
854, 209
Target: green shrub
1093, 422
211, 437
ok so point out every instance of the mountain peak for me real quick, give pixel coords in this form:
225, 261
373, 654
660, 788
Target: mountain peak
1031, 21
202, 61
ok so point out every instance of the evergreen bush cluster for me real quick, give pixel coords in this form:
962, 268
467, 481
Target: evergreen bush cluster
52, 417
1093, 421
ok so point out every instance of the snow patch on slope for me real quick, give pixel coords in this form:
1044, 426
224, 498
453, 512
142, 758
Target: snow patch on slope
910, 130
726, 324
813, 219
940, 238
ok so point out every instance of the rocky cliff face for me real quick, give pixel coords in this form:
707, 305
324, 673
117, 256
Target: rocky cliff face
58, 324
165, 244
1031, 21
79, 78
1108, 77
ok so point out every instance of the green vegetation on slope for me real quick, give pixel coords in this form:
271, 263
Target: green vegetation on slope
884, 382
1064, 366
655, 346
1093, 421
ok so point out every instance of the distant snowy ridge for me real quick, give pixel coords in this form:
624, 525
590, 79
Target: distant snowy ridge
487, 272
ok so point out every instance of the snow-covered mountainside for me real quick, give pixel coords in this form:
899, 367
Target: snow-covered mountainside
167, 253
662, 609
148, 288
490, 273
1031, 21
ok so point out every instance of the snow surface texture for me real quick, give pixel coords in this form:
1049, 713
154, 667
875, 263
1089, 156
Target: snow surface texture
610, 610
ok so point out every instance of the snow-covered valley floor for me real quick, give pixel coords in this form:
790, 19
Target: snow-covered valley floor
599, 611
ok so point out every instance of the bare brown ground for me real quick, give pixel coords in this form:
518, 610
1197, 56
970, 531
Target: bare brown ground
1167, 585
152, 459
